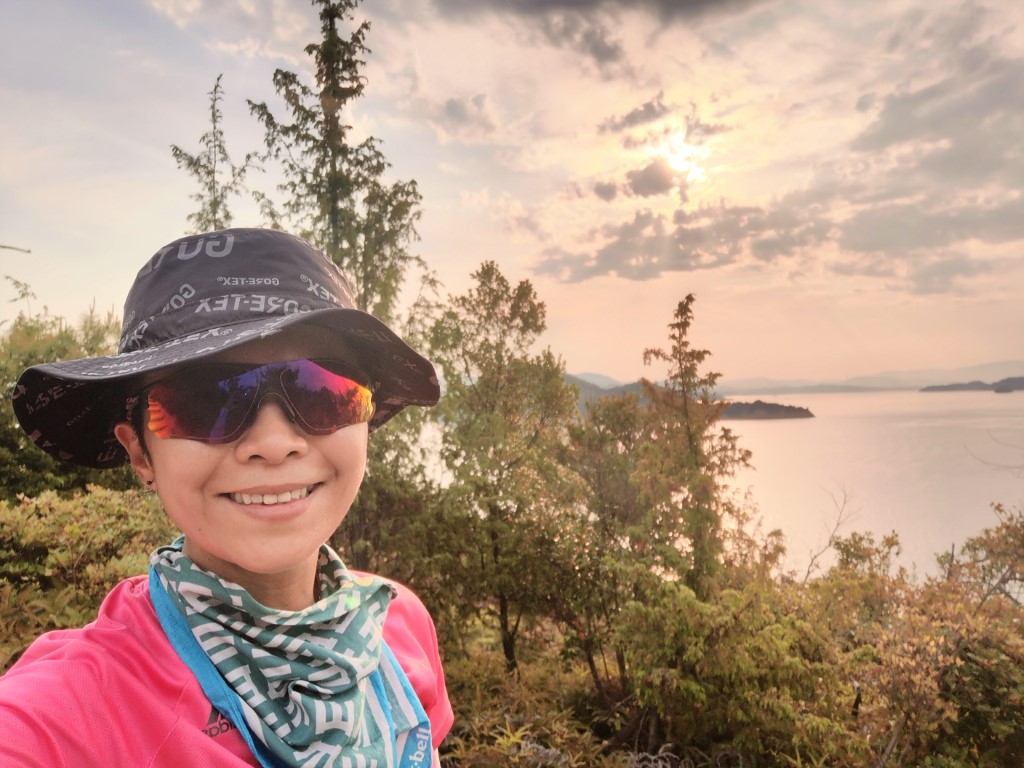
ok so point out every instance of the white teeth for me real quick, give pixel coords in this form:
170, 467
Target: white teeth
270, 498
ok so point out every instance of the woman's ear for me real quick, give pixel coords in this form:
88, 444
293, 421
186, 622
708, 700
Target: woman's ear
136, 450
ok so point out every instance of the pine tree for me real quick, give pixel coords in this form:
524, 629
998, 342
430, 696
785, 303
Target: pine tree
219, 179
335, 192
686, 460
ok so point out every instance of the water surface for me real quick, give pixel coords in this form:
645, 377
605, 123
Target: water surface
927, 465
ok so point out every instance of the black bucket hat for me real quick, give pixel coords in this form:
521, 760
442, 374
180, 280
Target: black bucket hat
199, 296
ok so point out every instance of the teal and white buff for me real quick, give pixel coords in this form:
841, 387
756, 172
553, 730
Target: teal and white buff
316, 688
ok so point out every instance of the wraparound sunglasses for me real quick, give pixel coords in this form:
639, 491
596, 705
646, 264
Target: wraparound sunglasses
216, 403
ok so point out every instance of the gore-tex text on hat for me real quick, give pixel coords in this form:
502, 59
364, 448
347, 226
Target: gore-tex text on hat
256, 302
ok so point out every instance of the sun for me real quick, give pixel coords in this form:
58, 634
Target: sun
683, 157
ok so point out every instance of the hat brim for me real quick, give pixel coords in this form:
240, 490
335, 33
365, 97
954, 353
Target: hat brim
69, 408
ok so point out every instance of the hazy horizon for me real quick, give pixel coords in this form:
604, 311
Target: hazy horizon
986, 372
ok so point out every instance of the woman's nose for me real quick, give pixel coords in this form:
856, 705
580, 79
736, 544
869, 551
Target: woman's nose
272, 436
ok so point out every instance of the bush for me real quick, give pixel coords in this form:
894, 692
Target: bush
523, 720
44, 338
60, 556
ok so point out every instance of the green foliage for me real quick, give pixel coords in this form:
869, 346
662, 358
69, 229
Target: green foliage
504, 414
60, 556
658, 529
684, 462
405, 527
219, 179
29, 340
334, 190
600, 560
603, 564
746, 672
551, 547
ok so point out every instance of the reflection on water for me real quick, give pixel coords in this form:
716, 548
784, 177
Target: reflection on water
927, 465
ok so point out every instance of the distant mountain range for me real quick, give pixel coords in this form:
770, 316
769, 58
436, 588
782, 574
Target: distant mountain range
593, 386
590, 391
599, 385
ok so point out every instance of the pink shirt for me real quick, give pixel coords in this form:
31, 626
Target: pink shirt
115, 693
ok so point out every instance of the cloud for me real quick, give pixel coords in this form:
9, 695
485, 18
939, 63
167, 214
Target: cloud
651, 244
587, 27
945, 274
974, 98
912, 199
648, 112
865, 102
656, 178
697, 131
253, 28
666, 10
464, 118
912, 227
606, 190
587, 36
518, 219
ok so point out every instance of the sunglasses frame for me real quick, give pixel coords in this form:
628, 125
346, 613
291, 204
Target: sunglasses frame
271, 388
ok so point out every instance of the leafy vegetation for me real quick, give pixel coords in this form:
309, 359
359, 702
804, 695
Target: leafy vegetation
601, 599
335, 192
584, 620
39, 337
59, 556
219, 179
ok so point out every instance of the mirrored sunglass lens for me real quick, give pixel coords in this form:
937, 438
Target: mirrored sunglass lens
211, 405
324, 400
202, 404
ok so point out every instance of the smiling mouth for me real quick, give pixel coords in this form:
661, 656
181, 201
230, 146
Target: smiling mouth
266, 499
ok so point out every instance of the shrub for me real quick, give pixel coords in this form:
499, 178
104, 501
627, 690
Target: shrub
60, 556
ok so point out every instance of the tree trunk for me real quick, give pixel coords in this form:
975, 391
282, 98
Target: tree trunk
508, 636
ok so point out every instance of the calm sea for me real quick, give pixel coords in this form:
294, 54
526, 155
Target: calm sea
926, 465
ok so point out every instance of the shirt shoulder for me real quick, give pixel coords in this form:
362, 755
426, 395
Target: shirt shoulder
113, 692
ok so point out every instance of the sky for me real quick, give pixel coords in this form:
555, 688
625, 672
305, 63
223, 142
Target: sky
839, 184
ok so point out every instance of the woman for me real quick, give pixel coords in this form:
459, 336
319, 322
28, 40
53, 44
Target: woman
243, 392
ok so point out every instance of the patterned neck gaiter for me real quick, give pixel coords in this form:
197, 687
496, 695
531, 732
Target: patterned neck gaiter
316, 687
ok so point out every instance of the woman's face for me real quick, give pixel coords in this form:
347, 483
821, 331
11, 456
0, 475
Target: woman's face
255, 511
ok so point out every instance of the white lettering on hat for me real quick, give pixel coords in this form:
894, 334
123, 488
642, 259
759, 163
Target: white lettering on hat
237, 281
111, 452
178, 300
135, 335
197, 336
218, 247
47, 396
372, 334
220, 304
318, 290
155, 262
211, 248
257, 302
184, 254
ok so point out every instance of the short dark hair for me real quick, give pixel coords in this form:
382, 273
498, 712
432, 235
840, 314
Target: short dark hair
137, 419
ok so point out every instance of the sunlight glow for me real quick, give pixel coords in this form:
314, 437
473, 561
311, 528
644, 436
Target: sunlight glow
684, 158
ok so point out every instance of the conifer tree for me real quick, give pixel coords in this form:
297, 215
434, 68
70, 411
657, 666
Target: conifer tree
335, 191
685, 460
335, 194
219, 179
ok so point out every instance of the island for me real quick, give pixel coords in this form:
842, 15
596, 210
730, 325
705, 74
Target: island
1012, 384
762, 410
